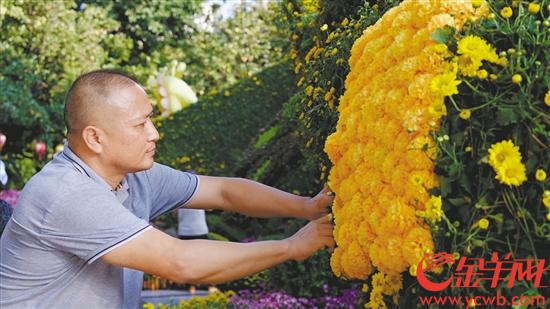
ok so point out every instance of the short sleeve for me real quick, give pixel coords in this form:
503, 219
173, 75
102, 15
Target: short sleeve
89, 222
170, 188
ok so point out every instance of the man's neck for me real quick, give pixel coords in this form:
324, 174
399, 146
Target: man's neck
111, 177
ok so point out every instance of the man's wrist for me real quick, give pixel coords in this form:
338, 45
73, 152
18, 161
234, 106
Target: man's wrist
288, 248
303, 208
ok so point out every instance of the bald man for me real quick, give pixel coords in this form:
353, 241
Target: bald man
80, 235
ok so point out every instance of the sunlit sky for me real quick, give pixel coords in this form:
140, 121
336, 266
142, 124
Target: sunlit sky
226, 9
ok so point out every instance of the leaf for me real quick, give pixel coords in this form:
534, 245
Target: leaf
531, 163
445, 186
509, 225
454, 169
216, 236
465, 183
508, 115
443, 35
457, 201
215, 222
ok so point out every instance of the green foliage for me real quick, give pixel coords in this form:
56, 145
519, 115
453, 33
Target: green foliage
235, 48
308, 278
45, 45
261, 170
443, 35
265, 137
217, 300
210, 136
152, 24
279, 162
23, 167
232, 232
41, 52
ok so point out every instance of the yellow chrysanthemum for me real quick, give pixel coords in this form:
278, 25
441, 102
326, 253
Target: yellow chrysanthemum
465, 114
417, 243
394, 95
445, 84
540, 175
473, 50
483, 223
471, 45
335, 259
506, 12
482, 74
546, 198
511, 172
547, 98
345, 22
516, 79
533, 8
310, 6
502, 151
437, 109
476, 3
416, 178
468, 66
413, 269
440, 48
433, 211
476, 48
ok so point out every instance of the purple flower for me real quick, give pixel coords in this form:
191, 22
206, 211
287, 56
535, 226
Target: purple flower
11, 196
258, 299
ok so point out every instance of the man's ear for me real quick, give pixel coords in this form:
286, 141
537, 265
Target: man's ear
93, 137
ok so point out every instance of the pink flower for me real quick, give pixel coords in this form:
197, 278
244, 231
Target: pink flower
11, 196
2, 140
40, 149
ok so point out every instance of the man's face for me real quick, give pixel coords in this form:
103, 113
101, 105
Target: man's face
131, 136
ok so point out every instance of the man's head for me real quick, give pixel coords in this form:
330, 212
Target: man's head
107, 114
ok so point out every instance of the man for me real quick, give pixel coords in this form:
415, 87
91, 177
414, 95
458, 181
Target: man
80, 234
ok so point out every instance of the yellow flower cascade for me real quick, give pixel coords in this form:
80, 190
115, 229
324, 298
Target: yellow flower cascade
381, 151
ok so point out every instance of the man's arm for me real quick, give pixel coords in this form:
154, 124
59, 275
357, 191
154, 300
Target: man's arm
208, 261
258, 200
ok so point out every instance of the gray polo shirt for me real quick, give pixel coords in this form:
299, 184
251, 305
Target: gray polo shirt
66, 218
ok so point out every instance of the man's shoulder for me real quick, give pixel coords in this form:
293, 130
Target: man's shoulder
58, 181
58, 176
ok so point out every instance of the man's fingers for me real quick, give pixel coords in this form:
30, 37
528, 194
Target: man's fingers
325, 218
328, 242
325, 225
326, 190
327, 233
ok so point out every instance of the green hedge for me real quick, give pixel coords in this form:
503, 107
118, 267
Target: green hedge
210, 136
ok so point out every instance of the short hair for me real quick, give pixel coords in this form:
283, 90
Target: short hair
88, 91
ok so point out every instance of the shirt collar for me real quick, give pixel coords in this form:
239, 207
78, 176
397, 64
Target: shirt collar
82, 167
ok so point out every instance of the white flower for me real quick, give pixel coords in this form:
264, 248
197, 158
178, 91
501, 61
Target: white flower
174, 94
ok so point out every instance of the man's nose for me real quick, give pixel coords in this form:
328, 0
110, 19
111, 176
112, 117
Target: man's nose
153, 133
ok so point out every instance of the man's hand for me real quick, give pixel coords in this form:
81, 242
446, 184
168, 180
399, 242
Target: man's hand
316, 235
317, 206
